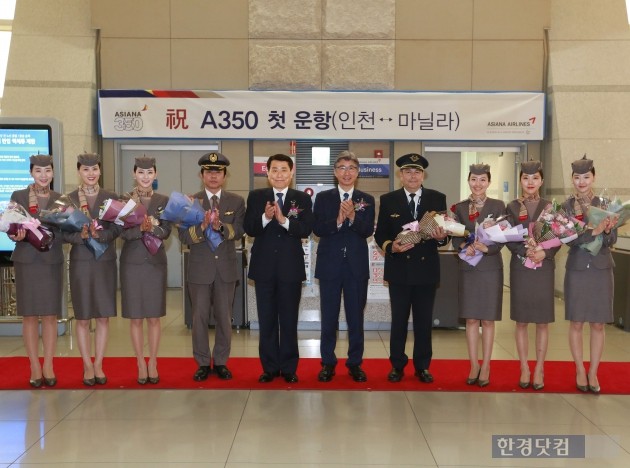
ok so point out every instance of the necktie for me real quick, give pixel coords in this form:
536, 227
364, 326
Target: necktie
345, 196
215, 202
412, 205
280, 204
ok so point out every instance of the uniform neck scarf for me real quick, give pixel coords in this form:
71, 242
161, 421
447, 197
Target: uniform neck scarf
138, 192
582, 201
85, 190
522, 214
475, 205
34, 191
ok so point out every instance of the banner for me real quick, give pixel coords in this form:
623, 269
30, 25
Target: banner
295, 115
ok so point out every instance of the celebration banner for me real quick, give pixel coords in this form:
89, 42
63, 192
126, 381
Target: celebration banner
322, 115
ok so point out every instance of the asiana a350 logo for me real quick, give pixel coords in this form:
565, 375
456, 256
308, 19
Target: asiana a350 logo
129, 121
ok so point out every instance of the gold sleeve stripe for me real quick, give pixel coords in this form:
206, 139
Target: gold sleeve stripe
230, 231
193, 235
385, 244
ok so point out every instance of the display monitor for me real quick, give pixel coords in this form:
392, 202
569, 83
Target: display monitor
19, 139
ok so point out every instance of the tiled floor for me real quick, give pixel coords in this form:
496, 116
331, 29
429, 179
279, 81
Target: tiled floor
147, 428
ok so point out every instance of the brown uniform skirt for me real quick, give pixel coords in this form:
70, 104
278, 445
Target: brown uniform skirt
531, 295
480, 294
143, 290
38, 288
588, 295
93, 288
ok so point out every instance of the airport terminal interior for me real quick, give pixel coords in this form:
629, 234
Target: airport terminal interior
573, 55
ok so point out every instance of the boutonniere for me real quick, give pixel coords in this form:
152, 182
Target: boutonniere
395, 215
473, 216
360, 205
294, 211
228, 213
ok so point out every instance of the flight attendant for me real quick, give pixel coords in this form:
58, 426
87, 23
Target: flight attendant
92, 281
143, 275
531, 290
480, 286
588, 281
41, 270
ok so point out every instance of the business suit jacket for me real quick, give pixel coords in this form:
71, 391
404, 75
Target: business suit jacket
25, 252
421, 264
277, 254
347, 242
133, 250
204, 265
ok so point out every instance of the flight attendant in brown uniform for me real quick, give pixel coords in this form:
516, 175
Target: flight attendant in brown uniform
92, 281
41, 270
143, 275
480, 286
588, 280
531, 290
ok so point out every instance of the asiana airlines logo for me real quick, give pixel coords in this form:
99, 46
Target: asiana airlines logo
514, 123
129, 120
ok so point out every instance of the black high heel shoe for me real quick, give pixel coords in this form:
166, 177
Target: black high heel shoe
593, 388
89, 382
35, 383
100, 380
154, 380
474, 380
50, 382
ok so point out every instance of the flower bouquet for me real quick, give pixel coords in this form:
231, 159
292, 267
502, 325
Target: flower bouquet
65, 216
13, 217
417, 231
187, 212
609, 207
552, 229
490, 232
68, 218
124, 213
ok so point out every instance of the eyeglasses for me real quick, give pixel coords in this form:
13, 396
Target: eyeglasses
351, 169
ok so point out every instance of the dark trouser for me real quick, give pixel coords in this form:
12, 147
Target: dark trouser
419, 298
219, 296
354, 298
278, 305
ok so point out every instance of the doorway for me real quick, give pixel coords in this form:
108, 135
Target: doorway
178, 171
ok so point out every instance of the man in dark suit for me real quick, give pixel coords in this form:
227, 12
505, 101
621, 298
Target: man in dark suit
344, 219
278, 218
411, 270
212, 270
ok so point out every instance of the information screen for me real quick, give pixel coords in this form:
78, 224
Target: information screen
17, 144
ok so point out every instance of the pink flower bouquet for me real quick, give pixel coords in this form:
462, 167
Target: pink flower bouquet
13, 217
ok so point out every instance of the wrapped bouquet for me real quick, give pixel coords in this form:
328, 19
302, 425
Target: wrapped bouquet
416, 231
124, 213
187, 212
68, 218
552, 229
490, 232
13, 217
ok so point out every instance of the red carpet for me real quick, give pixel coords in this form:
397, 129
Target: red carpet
449, 374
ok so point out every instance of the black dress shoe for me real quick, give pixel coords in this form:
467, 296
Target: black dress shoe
357, 374
222, 372
202, 373
267, 377
290, 377
395, 375
424, 376
326, 374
